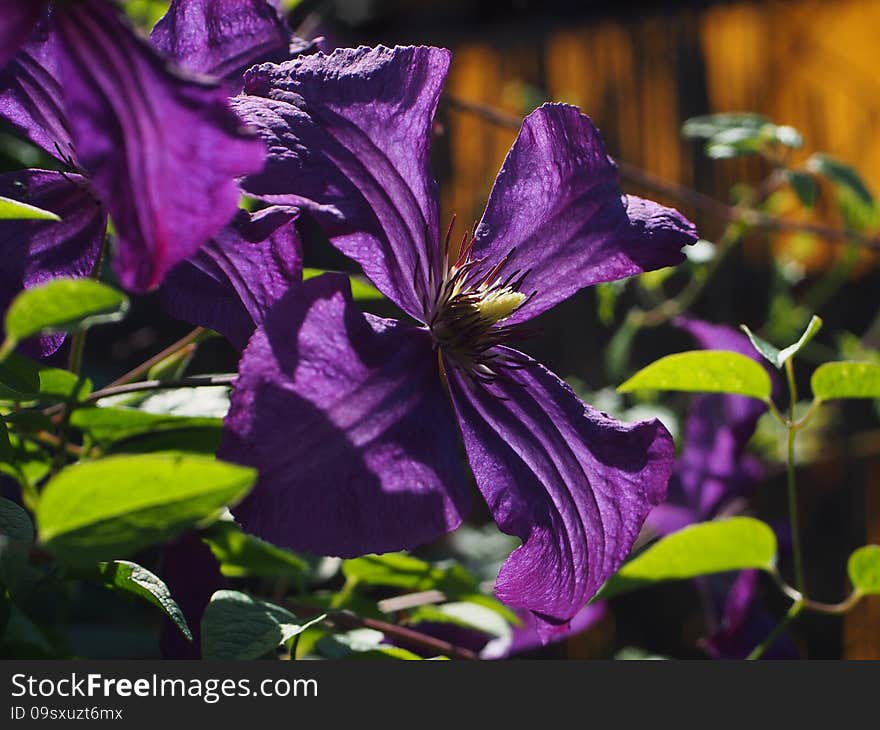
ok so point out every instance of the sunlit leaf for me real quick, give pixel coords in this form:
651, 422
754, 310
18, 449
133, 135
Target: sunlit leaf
840, 174
240, 554
778, 358
111, 507
738, 543
62, 305
864, 570
846, 380
11, 210
127, 577
703, 371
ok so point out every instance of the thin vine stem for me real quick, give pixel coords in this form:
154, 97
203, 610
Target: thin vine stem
793, 612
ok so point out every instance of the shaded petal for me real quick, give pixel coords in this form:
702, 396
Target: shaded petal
31, 98
222, 38
744, 620
231, 282
349, 138
34, 252
17, 21
163, 150
192, 574
571, 482
556, 209
345, 418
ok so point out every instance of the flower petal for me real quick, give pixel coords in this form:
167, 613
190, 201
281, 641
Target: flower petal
713, 469
349, 138
345, 418
571, 482
163, 150
17, 21
31, 98
222, 38
34, 252
192, 575
556, 211
231, 282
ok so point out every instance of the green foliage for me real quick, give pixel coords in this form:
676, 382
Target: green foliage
842, 175
133, 579
846, 380
864, 570
237, 626
14, 210
703, 371
734, 135
361, 289
804, 187
240, 554
738, 543
111, 425
16, 540
22, 379
112, 507
399, 570
778, 358
61, 305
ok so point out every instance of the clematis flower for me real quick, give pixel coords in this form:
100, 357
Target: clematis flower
713, 476
354, 422
161, 149
714, 470
17, 21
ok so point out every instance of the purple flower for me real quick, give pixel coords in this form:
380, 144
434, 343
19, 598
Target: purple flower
714, 470
354, 421
17, 21
162, 149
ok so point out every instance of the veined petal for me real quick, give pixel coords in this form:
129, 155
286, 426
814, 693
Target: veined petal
345, 418
34, 252
31, 98
231, 281
556, 212
349, 138
17, 21
222, 38
572, 483
163, 150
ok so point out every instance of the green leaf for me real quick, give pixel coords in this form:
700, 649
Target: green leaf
361, 644
127, 577
109, 425
361, 290
399, 570
778, 358
112, 507
23, 379
16, 540
465, 614
710, 125
13, 210
240, 554
703, 371
804, 186
238, 627
846, 380
864, 570
738, 543
5, 446
841, 174
62, 305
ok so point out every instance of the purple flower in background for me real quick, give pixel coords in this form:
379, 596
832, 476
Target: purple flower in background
161, 149
713, 476
354, 421
714, 470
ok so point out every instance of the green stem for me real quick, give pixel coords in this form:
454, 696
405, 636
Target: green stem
797, 550
793, 612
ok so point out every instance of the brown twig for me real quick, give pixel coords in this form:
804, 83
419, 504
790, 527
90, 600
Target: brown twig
402, 636
145, 367
193, 381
